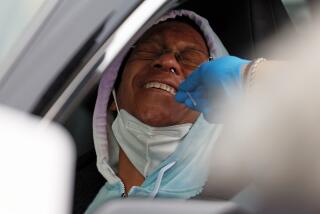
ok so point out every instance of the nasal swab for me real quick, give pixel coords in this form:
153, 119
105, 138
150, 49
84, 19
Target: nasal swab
172, 70
191, 98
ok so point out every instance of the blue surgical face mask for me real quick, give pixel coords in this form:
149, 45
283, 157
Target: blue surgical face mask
146, 146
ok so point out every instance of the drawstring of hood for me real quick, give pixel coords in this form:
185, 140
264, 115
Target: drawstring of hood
163, 170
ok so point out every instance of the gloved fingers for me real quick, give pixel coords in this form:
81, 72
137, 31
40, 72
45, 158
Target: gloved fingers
199, 105
181, 96
198, 101
206, 108
190, 104
223, 69
192, 81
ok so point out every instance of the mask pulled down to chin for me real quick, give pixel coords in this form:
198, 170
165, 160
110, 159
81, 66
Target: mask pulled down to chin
146, 146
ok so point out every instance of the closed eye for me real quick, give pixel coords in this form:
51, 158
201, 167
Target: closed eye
196, 51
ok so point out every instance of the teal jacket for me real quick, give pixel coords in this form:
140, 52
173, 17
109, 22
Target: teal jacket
182, 175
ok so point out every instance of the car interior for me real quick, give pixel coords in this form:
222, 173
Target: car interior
242, 25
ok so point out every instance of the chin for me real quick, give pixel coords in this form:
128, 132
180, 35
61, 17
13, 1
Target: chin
155, 117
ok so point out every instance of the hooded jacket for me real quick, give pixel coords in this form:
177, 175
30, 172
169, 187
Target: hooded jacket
183, 173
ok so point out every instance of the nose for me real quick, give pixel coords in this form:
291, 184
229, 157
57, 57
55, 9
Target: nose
167, 63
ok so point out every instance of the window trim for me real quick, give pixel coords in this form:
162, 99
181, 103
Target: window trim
146, 12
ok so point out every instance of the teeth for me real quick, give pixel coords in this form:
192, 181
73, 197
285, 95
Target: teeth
161, 86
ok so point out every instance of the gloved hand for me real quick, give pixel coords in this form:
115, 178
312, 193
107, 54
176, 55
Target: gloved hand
212, 80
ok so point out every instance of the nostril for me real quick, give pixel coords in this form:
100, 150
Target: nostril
172, 70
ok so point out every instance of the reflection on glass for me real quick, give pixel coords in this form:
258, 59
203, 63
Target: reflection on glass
15, 15
299, 11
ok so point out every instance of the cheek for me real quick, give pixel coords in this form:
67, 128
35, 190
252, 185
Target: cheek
133, 70
187, 72
128, 83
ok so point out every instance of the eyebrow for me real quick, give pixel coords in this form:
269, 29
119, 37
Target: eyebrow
198, 50
159, 42
152, 40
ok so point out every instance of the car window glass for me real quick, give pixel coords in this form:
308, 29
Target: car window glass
298, 10
15, 15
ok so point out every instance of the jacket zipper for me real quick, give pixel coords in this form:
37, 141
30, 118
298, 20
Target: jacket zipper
124, 194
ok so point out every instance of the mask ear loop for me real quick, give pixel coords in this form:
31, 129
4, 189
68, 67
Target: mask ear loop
115, 101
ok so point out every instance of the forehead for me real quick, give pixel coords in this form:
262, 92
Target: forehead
172, 31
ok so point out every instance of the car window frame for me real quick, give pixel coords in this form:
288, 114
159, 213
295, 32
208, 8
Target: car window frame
70, 24
90, 74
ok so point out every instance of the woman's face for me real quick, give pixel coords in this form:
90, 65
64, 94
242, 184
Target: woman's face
162, 59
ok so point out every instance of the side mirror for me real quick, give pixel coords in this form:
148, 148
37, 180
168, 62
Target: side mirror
37, 164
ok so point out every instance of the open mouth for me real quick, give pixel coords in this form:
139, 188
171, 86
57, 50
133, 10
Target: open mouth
162, 86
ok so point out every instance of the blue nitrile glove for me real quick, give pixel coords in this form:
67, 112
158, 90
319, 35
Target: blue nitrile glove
212, 80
